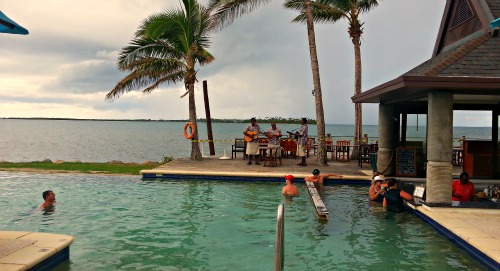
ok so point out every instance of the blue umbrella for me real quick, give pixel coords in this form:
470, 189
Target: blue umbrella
9, 26
495, 23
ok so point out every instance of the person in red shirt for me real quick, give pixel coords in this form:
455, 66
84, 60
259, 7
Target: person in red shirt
463, 189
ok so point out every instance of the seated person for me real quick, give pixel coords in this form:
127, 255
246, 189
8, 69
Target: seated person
290, 190
463, 189
376, 191
318, 178
394, 196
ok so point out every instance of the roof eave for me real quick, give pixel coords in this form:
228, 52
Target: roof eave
413, 86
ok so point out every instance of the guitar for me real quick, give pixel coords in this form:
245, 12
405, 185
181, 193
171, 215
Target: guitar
251, 135
270, 135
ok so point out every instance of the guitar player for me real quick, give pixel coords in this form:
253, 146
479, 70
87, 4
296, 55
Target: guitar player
252, 137
274, 135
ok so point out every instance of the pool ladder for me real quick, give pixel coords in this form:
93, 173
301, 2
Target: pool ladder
279, 245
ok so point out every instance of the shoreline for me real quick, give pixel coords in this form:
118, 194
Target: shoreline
55, 171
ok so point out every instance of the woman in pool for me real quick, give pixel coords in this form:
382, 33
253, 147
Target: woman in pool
376, 191
394, 196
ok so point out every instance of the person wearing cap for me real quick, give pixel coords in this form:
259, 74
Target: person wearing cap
290, 190
376, 191
319, 178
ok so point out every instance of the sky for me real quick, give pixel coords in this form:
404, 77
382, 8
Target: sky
67, 63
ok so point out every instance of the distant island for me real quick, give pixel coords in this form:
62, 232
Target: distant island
260, 120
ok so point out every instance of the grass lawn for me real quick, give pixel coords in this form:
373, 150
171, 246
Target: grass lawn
78, 167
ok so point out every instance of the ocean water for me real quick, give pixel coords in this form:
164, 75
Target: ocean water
24, 140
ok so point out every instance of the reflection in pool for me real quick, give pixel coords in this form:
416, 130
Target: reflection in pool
124, 223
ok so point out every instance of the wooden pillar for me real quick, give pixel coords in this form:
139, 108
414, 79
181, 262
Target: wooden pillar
209, 119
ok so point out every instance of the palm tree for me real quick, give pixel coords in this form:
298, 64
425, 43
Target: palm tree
332, 11
165, 49
227, 10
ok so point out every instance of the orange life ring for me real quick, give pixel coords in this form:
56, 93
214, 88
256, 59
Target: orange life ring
193, 129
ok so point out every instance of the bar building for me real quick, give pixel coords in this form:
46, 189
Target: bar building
462, 74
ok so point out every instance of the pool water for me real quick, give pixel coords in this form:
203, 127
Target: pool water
125, 223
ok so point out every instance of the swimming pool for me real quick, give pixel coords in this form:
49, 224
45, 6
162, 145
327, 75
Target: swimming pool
124, 223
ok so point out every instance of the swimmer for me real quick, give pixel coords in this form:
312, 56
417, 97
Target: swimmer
319, 178
50, 199
290, 190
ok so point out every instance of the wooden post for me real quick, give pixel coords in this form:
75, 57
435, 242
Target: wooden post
209, 119
319, 206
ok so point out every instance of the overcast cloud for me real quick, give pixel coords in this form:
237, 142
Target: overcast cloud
67, 63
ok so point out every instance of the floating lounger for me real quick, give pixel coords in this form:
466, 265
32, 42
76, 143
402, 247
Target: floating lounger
319, 206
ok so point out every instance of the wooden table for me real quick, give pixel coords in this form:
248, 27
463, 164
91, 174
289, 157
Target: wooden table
342, 152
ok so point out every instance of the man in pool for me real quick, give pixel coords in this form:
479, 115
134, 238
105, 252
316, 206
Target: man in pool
49, 199
290, 190
318, 178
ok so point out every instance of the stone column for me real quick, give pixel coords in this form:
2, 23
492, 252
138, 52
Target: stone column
439, 147
386, 133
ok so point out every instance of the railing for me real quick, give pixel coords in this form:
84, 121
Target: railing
279, 245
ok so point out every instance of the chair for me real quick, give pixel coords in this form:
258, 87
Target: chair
310, 145
457, 157
329, 148
342, 150
364, 154
289, 147
240, 145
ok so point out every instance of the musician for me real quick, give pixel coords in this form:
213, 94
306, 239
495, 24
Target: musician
274, 135
252, 131
302, 142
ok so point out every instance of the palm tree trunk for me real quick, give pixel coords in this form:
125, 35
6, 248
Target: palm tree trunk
358, 113
320, 115
195, 147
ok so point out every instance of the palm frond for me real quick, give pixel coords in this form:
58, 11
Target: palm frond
322, 12
165, 49
226, 11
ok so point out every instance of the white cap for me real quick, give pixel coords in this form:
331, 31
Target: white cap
378, 178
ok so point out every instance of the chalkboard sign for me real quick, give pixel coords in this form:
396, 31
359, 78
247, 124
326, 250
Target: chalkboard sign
406, 162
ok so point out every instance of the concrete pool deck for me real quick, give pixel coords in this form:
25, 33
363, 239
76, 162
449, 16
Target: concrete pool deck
33, 250
477, 228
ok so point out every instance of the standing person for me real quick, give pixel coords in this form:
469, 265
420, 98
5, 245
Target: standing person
274, 135
251, 136
49, 199
302, 142
290, 190
394, 196
463, 189
318, 178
